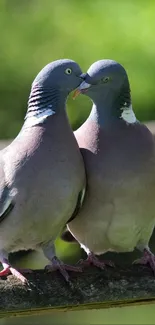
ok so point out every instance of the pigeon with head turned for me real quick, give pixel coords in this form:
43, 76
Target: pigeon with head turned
42, 170
118, 212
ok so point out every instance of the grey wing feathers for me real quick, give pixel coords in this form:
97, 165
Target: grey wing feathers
6, 194
79, 204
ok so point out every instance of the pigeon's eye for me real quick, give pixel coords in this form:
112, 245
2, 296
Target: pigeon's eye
105, 79
68, 71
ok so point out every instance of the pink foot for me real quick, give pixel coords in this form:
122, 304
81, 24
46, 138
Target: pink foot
147, 258
92, 259
62, 268
17, 274
7, 269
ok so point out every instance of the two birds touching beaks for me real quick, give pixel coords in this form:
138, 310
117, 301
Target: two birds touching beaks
99, 180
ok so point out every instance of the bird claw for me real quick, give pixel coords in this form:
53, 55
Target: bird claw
147, 258
18, 275
9, 269
62, 268
92, 259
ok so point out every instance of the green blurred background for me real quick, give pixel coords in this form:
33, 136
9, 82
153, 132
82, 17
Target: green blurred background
35, 32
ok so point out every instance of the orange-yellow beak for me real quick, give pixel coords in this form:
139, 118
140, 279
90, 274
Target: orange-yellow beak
81, 89
77, 92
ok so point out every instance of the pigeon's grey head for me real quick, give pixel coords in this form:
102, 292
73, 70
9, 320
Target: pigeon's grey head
106, 80
50, 90
64, 75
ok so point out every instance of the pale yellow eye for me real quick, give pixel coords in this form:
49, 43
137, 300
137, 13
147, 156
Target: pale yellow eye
68, 71
105, 79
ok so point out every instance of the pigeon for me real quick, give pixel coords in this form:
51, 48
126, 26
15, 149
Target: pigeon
42, 172
118, 212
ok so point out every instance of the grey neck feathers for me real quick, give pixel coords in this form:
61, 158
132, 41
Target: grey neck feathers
108, 108
41, 100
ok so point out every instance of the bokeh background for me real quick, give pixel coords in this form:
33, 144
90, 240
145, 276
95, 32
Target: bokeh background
36, 32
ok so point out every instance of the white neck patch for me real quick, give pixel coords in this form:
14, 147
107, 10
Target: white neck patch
35, 118
128, 114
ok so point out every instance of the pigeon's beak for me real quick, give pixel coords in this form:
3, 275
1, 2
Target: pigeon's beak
81, 89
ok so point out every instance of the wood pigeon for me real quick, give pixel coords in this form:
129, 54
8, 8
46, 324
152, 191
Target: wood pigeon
118, 212
42, 172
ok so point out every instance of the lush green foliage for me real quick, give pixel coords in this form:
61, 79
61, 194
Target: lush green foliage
35, 32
